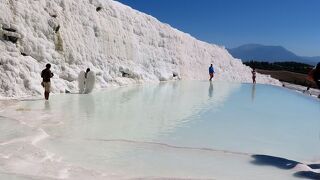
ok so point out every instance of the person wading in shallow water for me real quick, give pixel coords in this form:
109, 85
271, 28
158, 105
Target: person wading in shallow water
211, 72
46, 74
254, 75
314, 75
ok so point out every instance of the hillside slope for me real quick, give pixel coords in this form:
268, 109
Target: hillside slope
258, 52
121, 45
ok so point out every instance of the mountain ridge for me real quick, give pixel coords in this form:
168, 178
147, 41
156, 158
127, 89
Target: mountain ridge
269, 53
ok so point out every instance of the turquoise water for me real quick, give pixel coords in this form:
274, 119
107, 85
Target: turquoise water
169, 130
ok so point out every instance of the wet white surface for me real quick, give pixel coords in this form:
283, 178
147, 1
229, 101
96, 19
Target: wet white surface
182, 130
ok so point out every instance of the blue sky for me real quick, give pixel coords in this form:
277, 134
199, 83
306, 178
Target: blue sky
294, 24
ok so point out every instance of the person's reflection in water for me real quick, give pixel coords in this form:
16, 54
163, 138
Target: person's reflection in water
253, 92
211, 89
87, 106
47, 105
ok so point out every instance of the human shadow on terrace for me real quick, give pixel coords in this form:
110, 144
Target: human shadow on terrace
286, 164
307, 175
282, 163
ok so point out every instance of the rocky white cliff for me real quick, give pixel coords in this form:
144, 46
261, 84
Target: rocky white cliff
121, 45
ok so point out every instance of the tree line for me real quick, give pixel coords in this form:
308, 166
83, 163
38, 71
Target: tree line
281, 66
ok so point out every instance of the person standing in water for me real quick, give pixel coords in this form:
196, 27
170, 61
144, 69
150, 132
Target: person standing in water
211, 72
46, 75
254, 75
314, 75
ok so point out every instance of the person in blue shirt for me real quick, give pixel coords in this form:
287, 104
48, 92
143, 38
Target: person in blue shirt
211, 72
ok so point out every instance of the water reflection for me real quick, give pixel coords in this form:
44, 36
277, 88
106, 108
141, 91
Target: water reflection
110, 128
47, 105
253, 92
87, 105
210, 89
139, 112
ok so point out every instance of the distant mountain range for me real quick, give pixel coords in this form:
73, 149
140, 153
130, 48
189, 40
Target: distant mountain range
258, 52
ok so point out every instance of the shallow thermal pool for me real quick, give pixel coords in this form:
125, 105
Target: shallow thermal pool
192, 129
